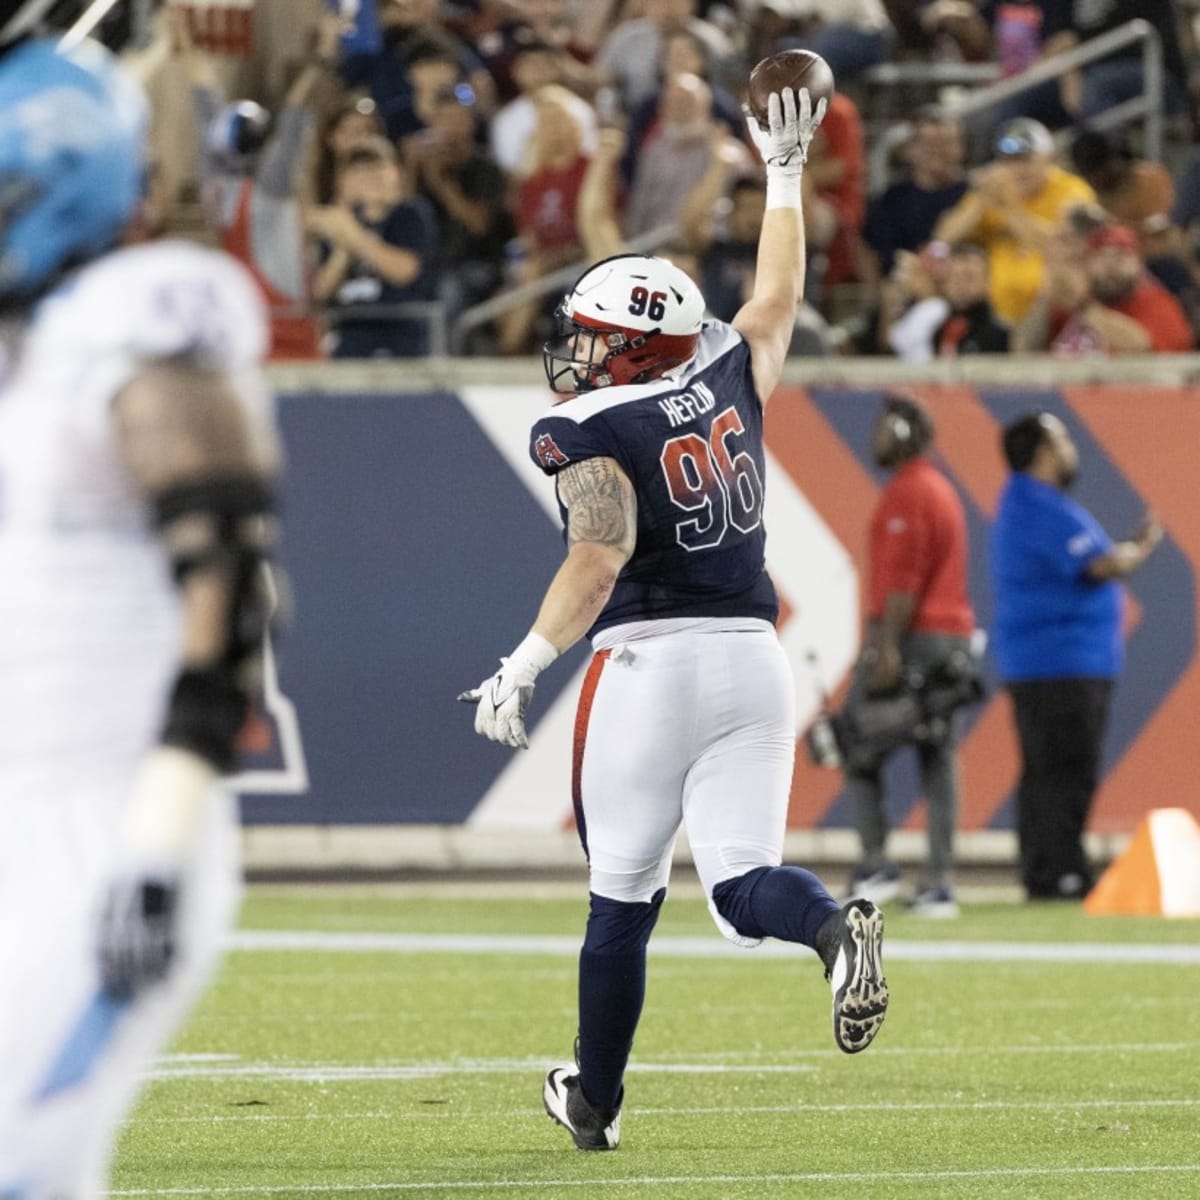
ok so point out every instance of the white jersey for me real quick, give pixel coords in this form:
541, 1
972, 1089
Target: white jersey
89, 622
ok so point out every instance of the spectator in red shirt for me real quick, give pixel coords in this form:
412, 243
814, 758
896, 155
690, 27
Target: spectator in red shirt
919, 620
835, 199
1124, 310
546, 201
549, 192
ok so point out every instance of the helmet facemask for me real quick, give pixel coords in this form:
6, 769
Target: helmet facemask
582, 357
627, 320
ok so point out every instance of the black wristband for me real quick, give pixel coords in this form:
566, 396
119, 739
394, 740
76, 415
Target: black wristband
204, 715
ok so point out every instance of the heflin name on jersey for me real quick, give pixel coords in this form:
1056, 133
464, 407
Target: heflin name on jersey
689, 405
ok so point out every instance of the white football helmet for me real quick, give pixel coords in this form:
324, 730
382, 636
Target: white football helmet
628, 319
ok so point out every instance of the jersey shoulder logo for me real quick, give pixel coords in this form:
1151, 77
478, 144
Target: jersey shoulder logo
547, 453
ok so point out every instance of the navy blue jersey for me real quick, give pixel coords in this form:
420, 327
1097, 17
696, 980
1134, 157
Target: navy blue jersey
692, 446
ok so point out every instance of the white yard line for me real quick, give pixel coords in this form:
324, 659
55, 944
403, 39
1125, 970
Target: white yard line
337, 1073
449, 1112
540, 1185
324, 1072
236, 1118
259, 940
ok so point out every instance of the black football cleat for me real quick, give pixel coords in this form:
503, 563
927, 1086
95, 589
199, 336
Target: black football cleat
860, 992
566, 1104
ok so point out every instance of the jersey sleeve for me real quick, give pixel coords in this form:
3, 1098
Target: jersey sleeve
556, 442
168, 300
159, 302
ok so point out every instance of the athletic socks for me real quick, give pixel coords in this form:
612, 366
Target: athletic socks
612, 988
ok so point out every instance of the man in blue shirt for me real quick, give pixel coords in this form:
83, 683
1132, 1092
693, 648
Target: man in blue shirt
1058, 645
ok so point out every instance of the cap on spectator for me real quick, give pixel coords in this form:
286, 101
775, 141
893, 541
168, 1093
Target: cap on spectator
1024, 137
1113, 237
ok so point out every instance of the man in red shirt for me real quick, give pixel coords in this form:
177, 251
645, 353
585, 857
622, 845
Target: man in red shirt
1125, 309
919, 621
835, 199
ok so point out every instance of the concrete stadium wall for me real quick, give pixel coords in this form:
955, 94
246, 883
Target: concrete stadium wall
419, 539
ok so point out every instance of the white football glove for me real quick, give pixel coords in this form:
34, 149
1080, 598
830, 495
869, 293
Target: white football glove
502, 700
136, 938
500, 703
138, 922
783, 146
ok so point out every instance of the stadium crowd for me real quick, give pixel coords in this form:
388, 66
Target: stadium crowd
382, 173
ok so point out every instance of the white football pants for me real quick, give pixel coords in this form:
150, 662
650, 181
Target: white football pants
684, 728
56, 855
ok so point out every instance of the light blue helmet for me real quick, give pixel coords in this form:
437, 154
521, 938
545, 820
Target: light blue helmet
72, 128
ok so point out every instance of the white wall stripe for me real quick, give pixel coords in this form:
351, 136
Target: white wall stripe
815, 574
259, 940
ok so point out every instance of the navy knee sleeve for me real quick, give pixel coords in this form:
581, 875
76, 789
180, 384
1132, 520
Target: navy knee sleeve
789, 903
731, 898
617, 926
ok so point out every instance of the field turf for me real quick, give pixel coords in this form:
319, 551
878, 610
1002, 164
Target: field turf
1029, 1052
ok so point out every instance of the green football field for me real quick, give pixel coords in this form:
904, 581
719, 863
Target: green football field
391, 1042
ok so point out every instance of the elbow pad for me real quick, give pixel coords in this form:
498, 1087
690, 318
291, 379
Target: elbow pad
227, 526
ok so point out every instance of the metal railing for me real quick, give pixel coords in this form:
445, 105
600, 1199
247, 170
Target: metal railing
556, 281
432, 312
1148, 106
935, 74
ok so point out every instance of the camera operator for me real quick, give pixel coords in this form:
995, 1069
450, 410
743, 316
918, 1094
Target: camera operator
919, 629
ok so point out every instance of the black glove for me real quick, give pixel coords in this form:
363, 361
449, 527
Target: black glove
137, 934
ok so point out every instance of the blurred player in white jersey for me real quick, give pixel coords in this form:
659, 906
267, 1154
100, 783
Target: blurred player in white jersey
687, 712
137, 464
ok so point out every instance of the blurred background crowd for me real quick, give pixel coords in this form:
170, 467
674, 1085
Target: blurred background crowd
407, 177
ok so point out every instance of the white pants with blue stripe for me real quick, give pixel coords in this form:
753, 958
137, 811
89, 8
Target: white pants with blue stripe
684, 723
56, 855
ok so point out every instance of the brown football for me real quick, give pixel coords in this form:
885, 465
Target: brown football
788, 69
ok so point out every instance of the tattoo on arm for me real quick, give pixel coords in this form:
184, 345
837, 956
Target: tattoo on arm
600, 504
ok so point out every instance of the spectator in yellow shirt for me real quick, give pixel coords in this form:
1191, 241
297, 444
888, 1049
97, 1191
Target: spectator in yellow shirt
1016, 203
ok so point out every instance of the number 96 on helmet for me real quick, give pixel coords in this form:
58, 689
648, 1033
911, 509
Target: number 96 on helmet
628, 319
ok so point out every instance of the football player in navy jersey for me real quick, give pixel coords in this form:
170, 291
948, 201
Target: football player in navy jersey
687, 711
